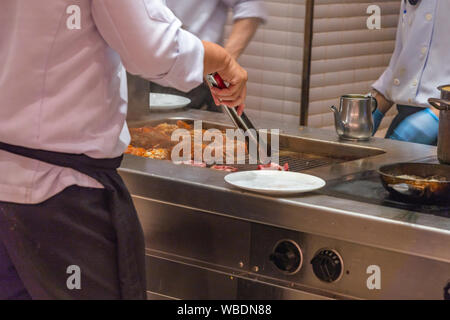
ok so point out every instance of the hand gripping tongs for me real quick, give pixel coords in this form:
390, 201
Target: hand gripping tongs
240, 122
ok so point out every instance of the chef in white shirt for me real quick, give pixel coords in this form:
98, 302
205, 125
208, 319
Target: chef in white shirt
68, 226
418, 66
206, 19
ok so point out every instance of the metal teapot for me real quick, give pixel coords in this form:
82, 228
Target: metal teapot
353, 120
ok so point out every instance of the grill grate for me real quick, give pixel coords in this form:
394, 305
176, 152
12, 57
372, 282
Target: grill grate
297, 162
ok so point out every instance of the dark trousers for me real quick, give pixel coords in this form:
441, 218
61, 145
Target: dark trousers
200, 97
90, 234
11, 286
40, 244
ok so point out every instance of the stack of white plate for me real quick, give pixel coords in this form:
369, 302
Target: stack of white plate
167, 102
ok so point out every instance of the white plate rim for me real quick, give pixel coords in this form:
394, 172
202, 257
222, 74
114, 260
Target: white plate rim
184, 101
269, 190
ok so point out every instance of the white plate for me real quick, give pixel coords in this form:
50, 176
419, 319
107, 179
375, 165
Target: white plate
164, 102
275, 182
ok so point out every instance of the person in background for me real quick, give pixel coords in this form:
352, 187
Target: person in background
206, 19
68, 226
418, 66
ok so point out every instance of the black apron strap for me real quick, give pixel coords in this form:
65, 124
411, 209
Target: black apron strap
130, 239
79, 162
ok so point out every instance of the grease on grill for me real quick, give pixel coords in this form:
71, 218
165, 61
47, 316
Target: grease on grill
297, 161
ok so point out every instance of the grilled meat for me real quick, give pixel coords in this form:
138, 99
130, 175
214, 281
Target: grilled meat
274, 166
146, 142
157, 153
149, 138
224, 168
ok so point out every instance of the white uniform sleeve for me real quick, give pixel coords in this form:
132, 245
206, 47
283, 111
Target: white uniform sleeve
384, 83
149, 39
243, 9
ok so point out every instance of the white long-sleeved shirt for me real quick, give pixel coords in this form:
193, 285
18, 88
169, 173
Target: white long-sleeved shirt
420, 60
206, 18
62, 82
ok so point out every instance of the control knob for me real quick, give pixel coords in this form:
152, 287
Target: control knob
328, 265
287, 256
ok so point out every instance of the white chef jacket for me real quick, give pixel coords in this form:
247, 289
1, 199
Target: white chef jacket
206, 18
63, 86
420, 62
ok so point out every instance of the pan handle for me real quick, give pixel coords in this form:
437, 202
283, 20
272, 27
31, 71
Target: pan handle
409, 189
439, 103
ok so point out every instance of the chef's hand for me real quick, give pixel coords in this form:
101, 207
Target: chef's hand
421, 127
217, 59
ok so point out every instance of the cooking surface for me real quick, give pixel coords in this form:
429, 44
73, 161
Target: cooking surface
300, 155
366, 187
332, 216
297, 161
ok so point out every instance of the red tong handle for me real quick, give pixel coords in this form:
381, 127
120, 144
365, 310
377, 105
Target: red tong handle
220, 83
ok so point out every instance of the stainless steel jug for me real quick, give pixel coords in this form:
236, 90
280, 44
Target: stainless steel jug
353, 119
443, 105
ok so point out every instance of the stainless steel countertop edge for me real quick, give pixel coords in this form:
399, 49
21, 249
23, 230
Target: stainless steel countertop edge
403, 231
373, 231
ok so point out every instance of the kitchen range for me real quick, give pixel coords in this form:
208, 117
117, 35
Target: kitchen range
181, 150
350, 240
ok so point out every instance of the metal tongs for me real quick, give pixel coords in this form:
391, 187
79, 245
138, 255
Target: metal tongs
242, 121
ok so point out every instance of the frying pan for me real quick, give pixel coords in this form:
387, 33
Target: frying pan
411, 189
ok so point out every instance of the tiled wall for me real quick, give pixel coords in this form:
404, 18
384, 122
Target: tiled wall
346, 57
274, 62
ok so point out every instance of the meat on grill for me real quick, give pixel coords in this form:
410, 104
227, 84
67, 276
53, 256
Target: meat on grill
274, 166
224, 168
159, 137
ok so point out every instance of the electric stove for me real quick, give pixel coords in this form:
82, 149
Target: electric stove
367, 187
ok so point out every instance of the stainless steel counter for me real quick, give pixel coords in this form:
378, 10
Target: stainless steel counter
380, 227
400, 228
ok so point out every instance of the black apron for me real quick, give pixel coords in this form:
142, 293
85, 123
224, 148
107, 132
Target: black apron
129, 234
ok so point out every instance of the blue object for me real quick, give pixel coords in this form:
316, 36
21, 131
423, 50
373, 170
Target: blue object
377, 118
421, 127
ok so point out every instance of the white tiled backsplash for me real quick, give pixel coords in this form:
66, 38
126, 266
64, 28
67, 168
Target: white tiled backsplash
346, 57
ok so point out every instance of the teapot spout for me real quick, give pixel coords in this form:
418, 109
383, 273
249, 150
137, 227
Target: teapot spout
337, 120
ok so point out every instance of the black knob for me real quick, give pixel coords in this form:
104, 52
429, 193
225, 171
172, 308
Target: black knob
287, 256
447, 291
327, 265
